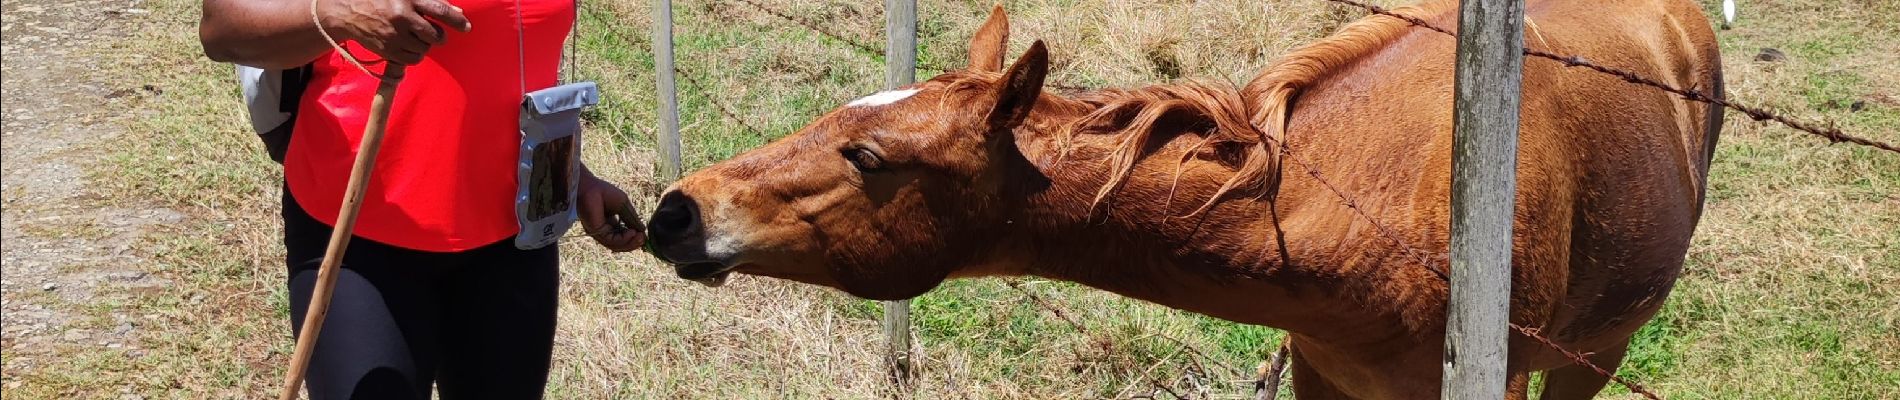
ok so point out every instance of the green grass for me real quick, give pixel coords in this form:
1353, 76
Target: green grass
1789, 291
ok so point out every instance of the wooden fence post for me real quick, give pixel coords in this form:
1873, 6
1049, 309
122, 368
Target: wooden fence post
1490, 66
900, 68
669, 102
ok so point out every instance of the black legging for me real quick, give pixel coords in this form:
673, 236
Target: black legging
479, 323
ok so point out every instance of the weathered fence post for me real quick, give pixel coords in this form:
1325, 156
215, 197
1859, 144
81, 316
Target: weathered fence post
669, 102
1483, 193
900, 68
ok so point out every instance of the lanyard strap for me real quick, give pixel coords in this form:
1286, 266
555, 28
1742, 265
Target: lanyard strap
573, 35
521, 51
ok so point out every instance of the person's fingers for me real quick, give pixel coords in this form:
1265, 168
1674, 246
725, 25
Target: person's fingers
388, 53
410, 44
629, 217
422, 29
373, 45
400, 48
444, 12
609, 215
593, 215
617, 236
405, 57
635, 228
624, 241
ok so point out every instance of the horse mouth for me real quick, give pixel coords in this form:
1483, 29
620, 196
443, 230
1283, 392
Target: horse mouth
711, 274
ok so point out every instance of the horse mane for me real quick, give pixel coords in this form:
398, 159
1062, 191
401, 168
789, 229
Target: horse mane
1250, 121
1270, 95
1254, 118
1143, 118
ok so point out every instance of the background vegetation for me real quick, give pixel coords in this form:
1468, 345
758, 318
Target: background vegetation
1790, 292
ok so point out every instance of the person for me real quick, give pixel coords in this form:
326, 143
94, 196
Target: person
432, 290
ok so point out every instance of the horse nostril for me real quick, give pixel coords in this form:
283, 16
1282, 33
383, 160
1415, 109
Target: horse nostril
676, 217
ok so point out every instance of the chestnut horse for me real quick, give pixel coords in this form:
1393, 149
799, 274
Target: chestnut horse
1230, 203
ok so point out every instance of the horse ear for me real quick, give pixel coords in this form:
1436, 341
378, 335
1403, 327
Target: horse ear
987, 46
1020, 87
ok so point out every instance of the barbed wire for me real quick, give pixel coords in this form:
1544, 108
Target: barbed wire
821, 31
1107, 345
1581, 359
1831, 133
1430, 265
1353, 205
876, 51
1103, 342
1195, 354
723, 109
1834, 135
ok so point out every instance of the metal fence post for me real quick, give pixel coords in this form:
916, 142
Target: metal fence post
1490, 66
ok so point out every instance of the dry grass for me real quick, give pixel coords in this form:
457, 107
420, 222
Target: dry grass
1790, 292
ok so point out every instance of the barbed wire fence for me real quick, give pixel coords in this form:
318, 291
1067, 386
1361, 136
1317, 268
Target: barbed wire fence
873, 50
1826, 131
1197, 376
1829, 132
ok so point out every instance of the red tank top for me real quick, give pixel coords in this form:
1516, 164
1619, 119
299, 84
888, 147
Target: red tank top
445, 178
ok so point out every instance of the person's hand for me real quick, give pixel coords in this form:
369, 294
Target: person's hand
399, 30
608, 216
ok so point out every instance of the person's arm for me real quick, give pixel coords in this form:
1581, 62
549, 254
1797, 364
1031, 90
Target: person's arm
280, 34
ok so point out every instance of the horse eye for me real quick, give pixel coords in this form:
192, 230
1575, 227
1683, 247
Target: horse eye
864, 159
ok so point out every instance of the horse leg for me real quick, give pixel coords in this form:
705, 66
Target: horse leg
1307, 384
1578, 382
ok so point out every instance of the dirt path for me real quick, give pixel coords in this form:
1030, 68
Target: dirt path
66, 258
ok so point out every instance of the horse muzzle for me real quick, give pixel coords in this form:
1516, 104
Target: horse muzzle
677, 236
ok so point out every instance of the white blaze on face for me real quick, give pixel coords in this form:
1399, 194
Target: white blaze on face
882, 98
722, 240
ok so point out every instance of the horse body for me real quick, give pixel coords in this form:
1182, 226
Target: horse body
1609, 178
1181, 194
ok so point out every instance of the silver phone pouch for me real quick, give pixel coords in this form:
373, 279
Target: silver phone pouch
548, 169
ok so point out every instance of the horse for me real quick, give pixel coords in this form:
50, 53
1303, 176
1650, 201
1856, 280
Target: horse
1314, 199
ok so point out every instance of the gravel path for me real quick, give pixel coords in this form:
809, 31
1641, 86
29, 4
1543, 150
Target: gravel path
66, 257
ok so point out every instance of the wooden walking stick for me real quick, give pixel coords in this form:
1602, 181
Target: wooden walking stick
345, 224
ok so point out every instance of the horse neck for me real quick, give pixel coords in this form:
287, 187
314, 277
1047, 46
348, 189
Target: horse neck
1248, 260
